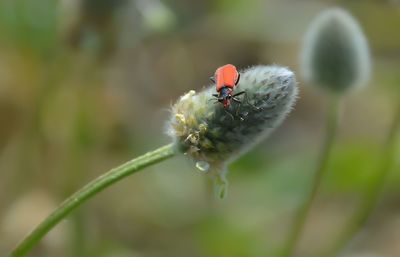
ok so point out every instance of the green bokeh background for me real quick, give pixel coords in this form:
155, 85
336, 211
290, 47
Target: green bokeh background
86, 85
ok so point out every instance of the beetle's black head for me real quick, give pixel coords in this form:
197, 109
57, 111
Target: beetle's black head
224, 96
225, 93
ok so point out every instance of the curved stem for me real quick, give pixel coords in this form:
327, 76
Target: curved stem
322, 164
360, 217
88, 191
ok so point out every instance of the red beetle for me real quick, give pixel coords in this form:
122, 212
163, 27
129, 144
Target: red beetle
226, 78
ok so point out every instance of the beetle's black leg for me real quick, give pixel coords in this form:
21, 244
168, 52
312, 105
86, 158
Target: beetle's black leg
240, 93
237, 112
236, 99
237, 109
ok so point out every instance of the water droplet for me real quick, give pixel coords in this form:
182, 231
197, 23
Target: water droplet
203, 166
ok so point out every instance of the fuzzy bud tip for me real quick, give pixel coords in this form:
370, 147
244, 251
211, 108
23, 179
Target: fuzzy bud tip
335, 52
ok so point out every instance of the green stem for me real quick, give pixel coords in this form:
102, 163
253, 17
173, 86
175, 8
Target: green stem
367, 206
322, 164
91, 189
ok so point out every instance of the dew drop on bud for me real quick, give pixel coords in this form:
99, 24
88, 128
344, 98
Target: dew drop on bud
203, 166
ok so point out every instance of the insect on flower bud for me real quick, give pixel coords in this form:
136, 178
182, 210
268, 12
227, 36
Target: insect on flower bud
213, 136
335, 53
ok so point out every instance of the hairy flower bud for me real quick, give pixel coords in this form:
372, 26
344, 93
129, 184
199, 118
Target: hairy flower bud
335, 52
213, 136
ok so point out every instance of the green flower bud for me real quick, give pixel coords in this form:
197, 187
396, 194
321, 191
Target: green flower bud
335, 53
214, 136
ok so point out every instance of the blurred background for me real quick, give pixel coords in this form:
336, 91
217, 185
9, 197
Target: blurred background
86, 85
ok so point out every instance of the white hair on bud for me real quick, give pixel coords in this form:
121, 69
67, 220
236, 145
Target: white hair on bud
335, 53
210, 134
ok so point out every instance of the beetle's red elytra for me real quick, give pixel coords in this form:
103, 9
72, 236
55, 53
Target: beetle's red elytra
226, 78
